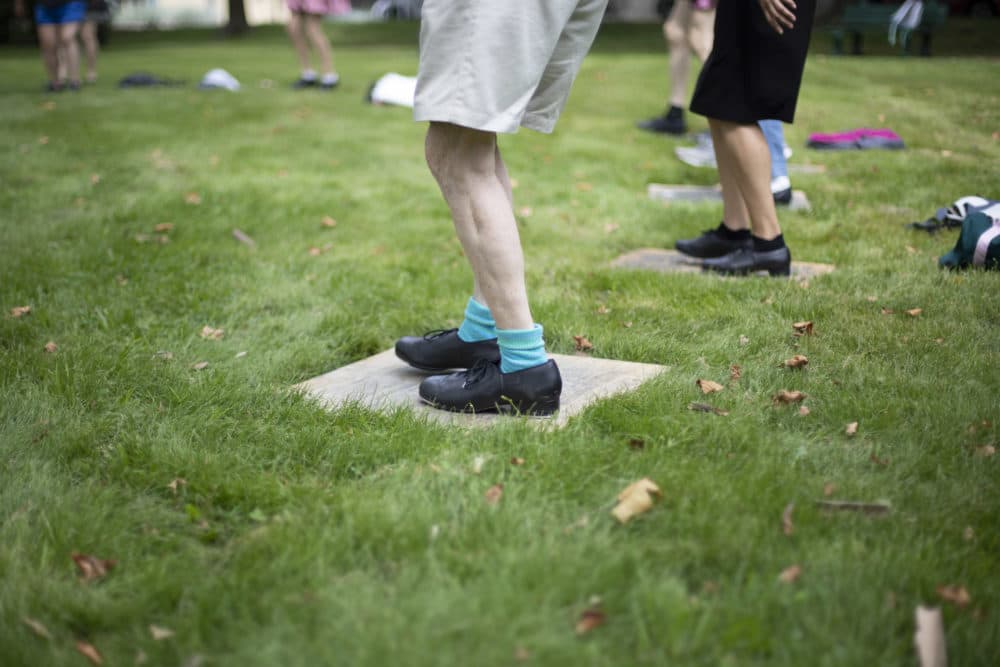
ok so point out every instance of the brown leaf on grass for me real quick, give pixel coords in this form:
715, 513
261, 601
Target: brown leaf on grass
786, 397
636, 443
787, 527
200, 366
797, 361
735, 373
829, 489
95, 179
516, 461
708, 386
589, 619
91, 567
929, 638
51, 347
164, 227
525, 211
89, 652
986, 451
877, 461
887, 311
803, 411
242, 237
790, 574
192, 198
804, 328
522, 654
968, 534
163, 355
316, 252
211, 333
635, 499
494, 494
914, 312
583, 186
603, 310
36, 627
744, 341
851, 429
48, 105
327, 221
705, 407
20, 311
121, 280
582, 344
177, 482
957, 595
43, 140
159, 633
627, 325
611, 227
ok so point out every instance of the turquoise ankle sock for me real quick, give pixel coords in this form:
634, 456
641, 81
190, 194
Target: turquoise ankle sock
521, 349
478, 323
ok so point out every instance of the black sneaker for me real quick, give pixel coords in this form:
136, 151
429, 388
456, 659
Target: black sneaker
443, 350
483, 388
671, 122
782, 197
712, 244
747, 260
305, 83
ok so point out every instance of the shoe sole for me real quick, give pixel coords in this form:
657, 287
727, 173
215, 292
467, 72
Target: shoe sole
507, 409
426, 369
783, 272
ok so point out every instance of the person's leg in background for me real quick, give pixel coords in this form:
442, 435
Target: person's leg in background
296, 32
675, 32
69, 47
48, 41
781, 185
88, 36
321, 46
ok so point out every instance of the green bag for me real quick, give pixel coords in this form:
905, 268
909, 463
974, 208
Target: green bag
979, 241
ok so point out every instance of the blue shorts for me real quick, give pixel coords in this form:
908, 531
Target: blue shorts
68, 12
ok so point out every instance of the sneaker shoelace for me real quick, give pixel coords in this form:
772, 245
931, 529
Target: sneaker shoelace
437, 333
478, 371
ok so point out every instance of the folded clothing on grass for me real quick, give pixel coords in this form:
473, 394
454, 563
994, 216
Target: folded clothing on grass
859, 139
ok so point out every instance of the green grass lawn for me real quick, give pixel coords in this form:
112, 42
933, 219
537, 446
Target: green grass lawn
301, 537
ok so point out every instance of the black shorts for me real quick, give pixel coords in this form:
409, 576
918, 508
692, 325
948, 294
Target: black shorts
753, 73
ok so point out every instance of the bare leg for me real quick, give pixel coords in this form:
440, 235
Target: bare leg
675, 32
467, 166
320, 43
67, 40
734, 211
741, 151
48, 39
88, 35
296, 31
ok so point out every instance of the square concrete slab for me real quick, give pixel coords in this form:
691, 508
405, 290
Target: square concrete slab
671, 261
383, 382
694, 194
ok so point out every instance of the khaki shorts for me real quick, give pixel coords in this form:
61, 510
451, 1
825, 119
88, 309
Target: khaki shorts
497, 65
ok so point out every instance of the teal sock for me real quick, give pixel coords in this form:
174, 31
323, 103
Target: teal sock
478, 323
521, 349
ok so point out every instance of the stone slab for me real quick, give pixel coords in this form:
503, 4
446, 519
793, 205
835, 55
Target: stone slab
671, 261
696, 194
383, 382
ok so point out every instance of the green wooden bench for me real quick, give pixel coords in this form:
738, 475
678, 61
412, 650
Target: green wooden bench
864, 16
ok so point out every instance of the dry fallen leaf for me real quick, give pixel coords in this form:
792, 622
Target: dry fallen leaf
43, 140
785, 396
163, 355
968, 534
797, 361
583, 186
803, 328
914, 312
211, 333
20, 311
95, 179
787, 526
986, 451
36, 627
327, 221
121, 280
603, 310
192, 198
636, 443
627, 325
829, 489
589, 619
803, 411
525, 211
494, 494
887, 311
957, 595
851, 429
516, 461
705, 407
51, 347
164, 227
744, 341
735, 372
90, 652
477, 464
877, 461
177, 482
242, 237
521, 654
582, 344
929, 638
635, 499
790, 574
708, 386
91, 567
200, 366
159, 633
871, 299
611, 227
